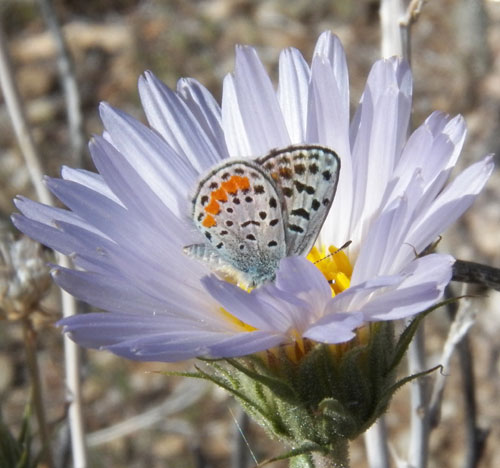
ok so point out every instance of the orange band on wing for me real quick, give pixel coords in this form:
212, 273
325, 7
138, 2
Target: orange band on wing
209, 221
213, 207
242, 182
230, 186
219, 194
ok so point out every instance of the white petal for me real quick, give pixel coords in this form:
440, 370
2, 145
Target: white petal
293, 93
258, 103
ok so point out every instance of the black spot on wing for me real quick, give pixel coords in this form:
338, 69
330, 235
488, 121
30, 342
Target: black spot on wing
313, 168
295, 228
285, 173
299, 169
301, 212
303, 187
250, 221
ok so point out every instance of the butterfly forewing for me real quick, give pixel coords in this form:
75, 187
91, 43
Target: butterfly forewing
307, 178
238, 208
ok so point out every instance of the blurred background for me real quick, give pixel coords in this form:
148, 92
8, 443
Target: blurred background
185, 424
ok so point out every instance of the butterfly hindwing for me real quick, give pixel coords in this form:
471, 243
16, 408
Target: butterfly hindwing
238, 208
307, 178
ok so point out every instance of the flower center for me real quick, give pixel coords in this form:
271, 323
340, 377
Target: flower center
335, 266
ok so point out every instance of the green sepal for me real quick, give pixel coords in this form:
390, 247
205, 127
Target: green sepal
338, 414
278, 387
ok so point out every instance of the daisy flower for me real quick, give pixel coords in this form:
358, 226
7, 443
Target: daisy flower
126, 226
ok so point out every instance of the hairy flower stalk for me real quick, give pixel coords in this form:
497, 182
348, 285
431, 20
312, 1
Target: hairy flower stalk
195, 236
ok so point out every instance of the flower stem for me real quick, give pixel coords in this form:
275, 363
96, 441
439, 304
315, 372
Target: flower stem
337, 457
29, 336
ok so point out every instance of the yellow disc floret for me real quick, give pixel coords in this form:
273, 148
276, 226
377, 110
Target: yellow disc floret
335, 266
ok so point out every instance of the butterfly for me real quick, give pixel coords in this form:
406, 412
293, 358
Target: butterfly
253, 213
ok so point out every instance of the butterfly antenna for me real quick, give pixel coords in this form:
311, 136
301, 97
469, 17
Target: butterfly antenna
347, 244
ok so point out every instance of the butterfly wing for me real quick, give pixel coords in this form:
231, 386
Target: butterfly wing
237, 206
307, 178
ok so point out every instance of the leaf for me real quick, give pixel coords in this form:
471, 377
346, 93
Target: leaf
386, 397
16, 452
304, 449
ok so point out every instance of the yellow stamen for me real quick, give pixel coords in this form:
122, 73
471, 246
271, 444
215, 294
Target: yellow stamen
335, 266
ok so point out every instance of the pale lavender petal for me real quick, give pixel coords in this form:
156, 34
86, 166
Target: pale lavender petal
244, 344
171, 117
109, 292
126, 183
451, 203
49, 215
89, 179
330, 48
376, 140
385, 234
293, 93
46, 235
358, 295
424, 286
206, 110
299, 287
298, 276
247, 307
235, 131
327, 111
148, 338
338, 328
258, 103
168, 174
